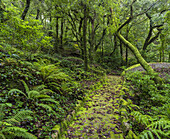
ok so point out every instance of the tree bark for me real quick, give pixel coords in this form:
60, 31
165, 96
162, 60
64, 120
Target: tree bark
138, 56
92, 39
149, 39
61, 35
26, 9
84, 38
121, 53
127, 36
115, 45
38, 13
56, 38
135, 51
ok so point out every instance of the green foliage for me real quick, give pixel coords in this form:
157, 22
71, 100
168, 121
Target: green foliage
149, 118
38, 96
50, 72
146, 90
26, 35
8, 128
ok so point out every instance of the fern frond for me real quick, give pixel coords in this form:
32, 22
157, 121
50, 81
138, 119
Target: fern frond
55, 86
12, 121
2, 136
131, 135
28, 64
2, 107
60, 76
146, 134
50, 100
167, 127
18, 132
45, 106
25, 86
40, 87
42, 96
22, 115
44, 91
16, 90
2, 123
143, 119
33, 94
161, 124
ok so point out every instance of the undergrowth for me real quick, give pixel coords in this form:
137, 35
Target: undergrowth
47, 86
144, 107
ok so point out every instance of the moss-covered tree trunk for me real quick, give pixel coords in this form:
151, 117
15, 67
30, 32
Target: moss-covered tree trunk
133, 48
138, 56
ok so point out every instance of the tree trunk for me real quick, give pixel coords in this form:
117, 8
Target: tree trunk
56, 38
138, 56
121, 53
84, 38
92, 41
62, 32
102, 52
127, 35
115, 45
26, 9
38, 12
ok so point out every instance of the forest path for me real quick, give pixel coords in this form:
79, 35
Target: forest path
98, 118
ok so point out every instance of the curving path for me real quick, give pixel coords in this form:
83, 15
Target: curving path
98, 119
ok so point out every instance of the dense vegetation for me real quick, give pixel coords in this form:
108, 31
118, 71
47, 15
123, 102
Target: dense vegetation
54, 53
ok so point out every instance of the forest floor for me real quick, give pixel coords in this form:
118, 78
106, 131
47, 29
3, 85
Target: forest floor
99, 117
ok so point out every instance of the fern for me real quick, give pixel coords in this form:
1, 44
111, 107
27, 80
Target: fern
161, 124
42, 96
142, 119
22, 115
44, 91
40, 87
2, 136
54, 85
131, 135
45, 106
146, 134
50, 100
2, 123
33, 94
167, 127
17, 132
150, 133
2, 107
12, 121
16, 90
25, 86
7, 128
49, 72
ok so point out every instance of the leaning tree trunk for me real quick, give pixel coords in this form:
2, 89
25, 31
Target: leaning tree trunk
138, 56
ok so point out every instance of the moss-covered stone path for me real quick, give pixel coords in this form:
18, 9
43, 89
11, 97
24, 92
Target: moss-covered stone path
98, 119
